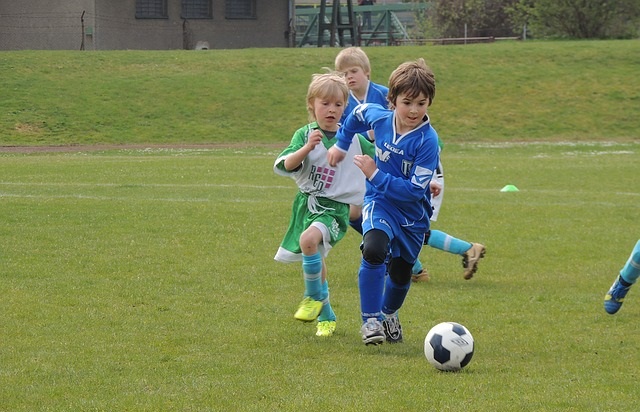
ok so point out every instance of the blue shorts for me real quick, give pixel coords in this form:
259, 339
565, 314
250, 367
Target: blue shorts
405, 238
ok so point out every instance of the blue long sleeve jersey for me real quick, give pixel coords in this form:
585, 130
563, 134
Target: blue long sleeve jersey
376, 93
406, 163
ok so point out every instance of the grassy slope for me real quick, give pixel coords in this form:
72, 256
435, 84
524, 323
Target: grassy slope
489, 92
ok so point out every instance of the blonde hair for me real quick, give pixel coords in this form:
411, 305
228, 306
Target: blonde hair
352, 57
412, 78
323, 86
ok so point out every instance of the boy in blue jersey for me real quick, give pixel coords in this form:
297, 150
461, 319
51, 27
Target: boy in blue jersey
355, 65
628, 276
321, 207
396, 207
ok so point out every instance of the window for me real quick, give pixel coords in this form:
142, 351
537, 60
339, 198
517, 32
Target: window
151, 9
196, 9
240, 9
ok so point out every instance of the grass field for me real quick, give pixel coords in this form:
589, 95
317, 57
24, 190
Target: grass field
577, 91
142, 278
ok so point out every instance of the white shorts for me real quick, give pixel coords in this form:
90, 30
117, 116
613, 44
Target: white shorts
436, 201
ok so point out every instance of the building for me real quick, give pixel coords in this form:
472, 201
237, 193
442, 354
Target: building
144, 24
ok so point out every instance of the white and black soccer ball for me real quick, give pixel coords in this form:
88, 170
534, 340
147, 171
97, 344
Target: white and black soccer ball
449, 346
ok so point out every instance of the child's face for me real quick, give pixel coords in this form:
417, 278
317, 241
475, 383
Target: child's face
410, 111
328, 110
357, 79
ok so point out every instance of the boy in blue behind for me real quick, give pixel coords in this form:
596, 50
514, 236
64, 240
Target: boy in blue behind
355, 65
471, 252
627, 277
396, 207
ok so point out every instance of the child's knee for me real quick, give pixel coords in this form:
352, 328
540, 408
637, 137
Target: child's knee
375, 247
309, 240
374, 254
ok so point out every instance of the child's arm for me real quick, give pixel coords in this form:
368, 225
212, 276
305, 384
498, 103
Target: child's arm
366, 164
335, 156
295, 159
358, 121
298, 149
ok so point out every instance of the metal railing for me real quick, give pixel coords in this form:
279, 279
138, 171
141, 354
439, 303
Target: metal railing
387, 28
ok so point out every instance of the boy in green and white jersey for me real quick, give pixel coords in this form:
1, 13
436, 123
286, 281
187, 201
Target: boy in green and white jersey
320, 213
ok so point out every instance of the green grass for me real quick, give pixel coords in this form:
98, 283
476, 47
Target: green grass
144, 280
505, 91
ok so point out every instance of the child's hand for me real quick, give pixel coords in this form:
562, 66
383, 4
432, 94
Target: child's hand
313, 139
335, 156
435, 188
366, 164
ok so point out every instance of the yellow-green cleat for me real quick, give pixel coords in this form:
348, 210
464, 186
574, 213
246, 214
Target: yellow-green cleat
326, 328
309, 310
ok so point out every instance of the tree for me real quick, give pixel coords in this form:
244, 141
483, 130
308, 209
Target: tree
578, 19
480, 18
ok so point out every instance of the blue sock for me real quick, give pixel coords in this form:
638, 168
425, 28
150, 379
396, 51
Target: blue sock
356, 224
327, 312
417, 267
312, 273
394, 296
631, 270
371, 285
448, 243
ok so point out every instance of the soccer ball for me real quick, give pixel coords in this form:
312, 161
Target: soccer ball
448, 346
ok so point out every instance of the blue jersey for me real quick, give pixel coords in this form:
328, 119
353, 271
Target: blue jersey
376, 93
406, 163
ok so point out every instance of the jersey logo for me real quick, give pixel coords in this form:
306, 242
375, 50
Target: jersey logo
393, 149
322, 177
334, 229
383, 156
384, 222
421, 176
406, 167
